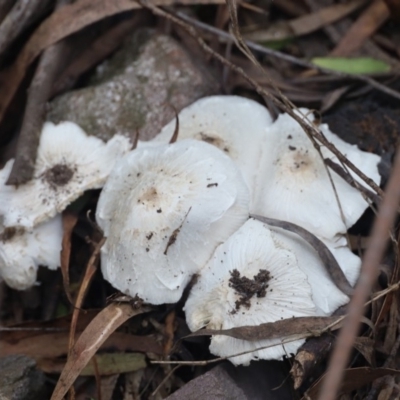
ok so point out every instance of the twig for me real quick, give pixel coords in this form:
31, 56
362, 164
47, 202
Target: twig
23, 14
39, 92
351, 181
328, 260
376, 296
287, 105
311, 131
91, 269
369, 270
287, 57
162, 383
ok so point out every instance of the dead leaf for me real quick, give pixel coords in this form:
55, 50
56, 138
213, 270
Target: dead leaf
332, 97
69, 221
107, 364
169, 332
51, 345
365, 346
366, 25
391, 329
90, 271
305, 24
353, 379
304, 326
96, 333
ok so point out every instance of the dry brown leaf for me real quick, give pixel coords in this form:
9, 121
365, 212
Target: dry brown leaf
169, 332
307, 326
387, 303
353, 379
90, 271
55, 344
69, 221
392, 326
60, 24
96, 333
366, 25
106, 364
365, 346
305, 24
394, 7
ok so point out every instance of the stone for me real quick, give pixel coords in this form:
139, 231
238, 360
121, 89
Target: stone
136, 89
261, 380
20, 380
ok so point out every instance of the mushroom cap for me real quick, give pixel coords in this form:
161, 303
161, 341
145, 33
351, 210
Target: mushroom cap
295, 185
327, 297
68, 163
212, 302
164, 209
22, 251
236, 125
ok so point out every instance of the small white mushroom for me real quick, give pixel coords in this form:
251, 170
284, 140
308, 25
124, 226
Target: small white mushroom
22, 251
164, 209
327, 297
223, 299
68, 163
236, 125
294, 185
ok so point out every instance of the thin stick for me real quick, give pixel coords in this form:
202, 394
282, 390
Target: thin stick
369, 271
377, 296
328, 260
351, 181
287, 57
309, 129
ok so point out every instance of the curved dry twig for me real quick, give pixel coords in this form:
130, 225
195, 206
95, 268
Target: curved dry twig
328, 260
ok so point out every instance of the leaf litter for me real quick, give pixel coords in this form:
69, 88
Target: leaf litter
124, 326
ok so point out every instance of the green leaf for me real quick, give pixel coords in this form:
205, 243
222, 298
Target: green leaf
277, 44
115, 363
360, 65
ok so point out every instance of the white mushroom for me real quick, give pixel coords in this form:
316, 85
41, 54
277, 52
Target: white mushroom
236, 125
68, 163
22, 251
294, 185
327, 297
164, 209
221, 299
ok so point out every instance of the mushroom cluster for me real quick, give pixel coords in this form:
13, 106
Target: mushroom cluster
68, 163
173, 210
170, 211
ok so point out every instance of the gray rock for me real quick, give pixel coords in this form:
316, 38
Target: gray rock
262, 380
136, 89
19, 379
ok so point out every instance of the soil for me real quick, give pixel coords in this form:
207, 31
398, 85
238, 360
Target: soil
246, 288
59, 175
